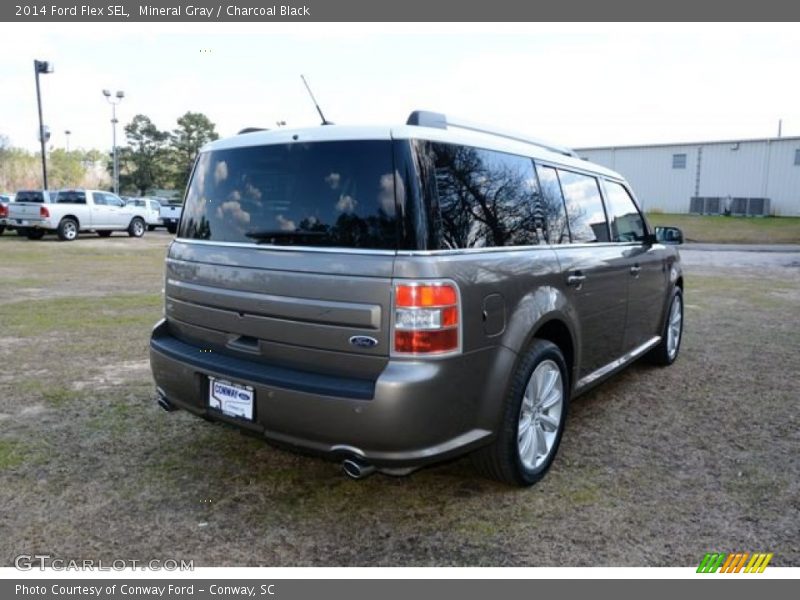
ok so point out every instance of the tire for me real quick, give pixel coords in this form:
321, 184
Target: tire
67, 230
136, 228
671, 335
521, 454
34, 234
151, 228
172, 229
104, 234
2, 229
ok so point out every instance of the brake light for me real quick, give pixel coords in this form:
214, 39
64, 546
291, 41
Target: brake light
43, 212
426, 318
3, 211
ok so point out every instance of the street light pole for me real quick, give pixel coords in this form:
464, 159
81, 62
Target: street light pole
67, 132
41, 66
119, 96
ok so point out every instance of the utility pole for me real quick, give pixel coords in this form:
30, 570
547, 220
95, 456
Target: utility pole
42, 66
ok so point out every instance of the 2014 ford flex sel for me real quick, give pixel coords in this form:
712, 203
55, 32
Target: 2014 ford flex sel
393, 297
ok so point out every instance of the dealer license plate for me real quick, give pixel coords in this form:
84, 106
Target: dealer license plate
231, 399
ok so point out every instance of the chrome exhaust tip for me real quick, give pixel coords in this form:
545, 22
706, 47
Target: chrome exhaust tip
165, 404
355, 469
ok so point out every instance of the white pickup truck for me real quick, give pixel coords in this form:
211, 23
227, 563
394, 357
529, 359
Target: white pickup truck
170, 215
68, 212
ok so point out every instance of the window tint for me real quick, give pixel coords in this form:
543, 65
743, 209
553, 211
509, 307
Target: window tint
112, 200
486, 198
587, 220
30, 197
71, 197
678, 161
797, 157
626, 222
99, 198
337, 194
553, 206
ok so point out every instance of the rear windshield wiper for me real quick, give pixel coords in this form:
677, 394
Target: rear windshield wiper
268, 235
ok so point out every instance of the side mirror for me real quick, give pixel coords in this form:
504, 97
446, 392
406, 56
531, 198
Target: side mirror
669, 235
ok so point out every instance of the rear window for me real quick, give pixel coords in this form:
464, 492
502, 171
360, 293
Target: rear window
330, 194
30, 197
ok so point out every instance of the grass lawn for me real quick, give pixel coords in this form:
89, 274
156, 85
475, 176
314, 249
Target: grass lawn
733, 230
657, 466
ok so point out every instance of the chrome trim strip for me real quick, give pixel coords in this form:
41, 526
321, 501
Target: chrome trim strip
254, 246
377, 252
616, 364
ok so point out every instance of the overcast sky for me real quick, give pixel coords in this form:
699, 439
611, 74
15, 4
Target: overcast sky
579, 85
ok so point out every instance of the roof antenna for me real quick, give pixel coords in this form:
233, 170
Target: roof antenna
314, 100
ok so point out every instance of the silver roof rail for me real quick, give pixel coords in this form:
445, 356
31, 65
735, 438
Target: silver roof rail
427, 118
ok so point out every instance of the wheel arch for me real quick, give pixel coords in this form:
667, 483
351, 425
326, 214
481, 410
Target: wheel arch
71, 217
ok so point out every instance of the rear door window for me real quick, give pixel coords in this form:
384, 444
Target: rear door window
553, 206
486, 198
627, 224
587, 218
330, 194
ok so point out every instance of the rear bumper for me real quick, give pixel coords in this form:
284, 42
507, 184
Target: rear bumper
414, 413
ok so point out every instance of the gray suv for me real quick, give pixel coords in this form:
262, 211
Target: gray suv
397, 296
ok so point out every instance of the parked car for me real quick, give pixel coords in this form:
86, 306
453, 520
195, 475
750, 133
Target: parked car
25, 213
5, 200
397, 296
171, 216
69, 212
150, 209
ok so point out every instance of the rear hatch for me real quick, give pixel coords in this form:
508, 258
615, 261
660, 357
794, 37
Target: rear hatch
285, 255
27, 205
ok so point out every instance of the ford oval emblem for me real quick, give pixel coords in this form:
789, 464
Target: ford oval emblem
363, 341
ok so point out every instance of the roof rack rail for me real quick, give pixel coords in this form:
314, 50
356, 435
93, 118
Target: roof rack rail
427, 118
251, 130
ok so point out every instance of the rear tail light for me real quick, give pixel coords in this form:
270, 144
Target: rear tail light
43, 212
3, 211
426, 318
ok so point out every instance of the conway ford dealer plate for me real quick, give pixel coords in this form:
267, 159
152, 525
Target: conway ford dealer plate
231, 399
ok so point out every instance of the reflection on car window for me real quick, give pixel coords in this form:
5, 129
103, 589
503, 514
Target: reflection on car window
553, 206
626, 222
322, 194
486, 198
587, 219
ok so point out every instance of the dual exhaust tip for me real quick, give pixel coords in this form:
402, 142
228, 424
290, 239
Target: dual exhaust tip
165, 404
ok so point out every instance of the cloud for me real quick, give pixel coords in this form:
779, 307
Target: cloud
285, 224
234, 210
386, 193
346, 204
220, 172
333, 180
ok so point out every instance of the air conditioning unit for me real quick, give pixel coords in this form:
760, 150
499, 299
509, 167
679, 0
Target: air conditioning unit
738, 207
749, 207
704, 205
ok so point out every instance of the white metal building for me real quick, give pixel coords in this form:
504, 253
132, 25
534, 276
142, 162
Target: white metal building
738, 177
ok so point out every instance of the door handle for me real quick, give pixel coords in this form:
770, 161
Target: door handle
635, 269
576, 279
